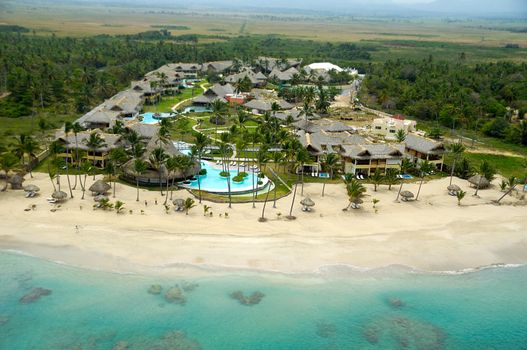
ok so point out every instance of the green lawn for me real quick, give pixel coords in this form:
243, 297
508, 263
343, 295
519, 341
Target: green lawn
504, 165
11, 127
167, 101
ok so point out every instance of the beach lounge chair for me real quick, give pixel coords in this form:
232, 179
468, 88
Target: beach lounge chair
51, 200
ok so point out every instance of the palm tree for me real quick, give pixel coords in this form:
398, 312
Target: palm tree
8, 162
400, 135
25, 145
218, 107
157, 161
86, 168
425, 168
67, 128
486, 170
76, 128
302, 156
225, 149
188, 204
391, 178
94, 142
406, 167
117, 157
376, 179
330, 163
457, 150
200, 143
139, 168
55, 148
356, 192
460, 195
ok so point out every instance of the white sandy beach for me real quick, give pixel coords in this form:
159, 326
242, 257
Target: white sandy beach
432, 234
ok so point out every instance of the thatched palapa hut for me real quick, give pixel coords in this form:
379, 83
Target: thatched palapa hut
100, 186
479, 181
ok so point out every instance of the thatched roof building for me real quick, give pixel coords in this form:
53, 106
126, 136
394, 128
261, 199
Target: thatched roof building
152, 176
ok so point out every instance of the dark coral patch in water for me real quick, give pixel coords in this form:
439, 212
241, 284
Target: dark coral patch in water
253, 299
34, 295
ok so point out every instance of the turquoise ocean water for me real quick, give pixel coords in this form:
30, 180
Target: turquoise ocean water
391, 308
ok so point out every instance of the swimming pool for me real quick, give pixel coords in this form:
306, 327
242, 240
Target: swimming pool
214, 183
196, 109
153, 118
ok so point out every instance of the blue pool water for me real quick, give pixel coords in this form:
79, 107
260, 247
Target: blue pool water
213, 182
196, 109
149, 117
383, 309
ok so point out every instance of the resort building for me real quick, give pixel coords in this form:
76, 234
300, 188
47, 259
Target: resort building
420, 148
216, 92
187, 70
261, 106
365, 159
257, 79
128, 103
99, 118
284, 77
148, 92
217, 67
153, 176
80, 144
388, 127
268, 64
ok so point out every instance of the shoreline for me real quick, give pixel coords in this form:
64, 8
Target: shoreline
432, 235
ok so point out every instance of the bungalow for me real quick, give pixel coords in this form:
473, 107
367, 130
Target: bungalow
145, 131
320, 143
97, 156
216, 92
256, 79
173, 78
217, 67
128, 103
284, 77
267, 64
261, 106
187, 70
365, 159
99, 118
146, 89
388, 127
421, 148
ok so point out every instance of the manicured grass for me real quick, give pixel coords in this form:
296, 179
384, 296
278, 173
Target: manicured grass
168, 101
504, 165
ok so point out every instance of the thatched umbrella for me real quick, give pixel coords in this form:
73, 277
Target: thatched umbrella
453, 189
479, 181
179, 204
307, 203
407, 195
16, 181
99, 186
59, 195
31, 188
99, 198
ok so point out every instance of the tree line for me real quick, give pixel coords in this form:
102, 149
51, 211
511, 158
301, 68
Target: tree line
488, 97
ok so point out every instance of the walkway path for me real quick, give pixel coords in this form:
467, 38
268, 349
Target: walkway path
175, 107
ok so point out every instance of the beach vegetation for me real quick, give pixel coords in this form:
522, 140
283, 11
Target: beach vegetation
460, 195
8, 162
119, 207
188, 204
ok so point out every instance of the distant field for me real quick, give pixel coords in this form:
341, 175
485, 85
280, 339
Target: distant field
94, 19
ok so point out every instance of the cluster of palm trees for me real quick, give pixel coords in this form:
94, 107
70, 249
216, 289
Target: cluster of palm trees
317, 98
19, 155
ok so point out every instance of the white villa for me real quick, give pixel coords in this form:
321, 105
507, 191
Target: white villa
388, 127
